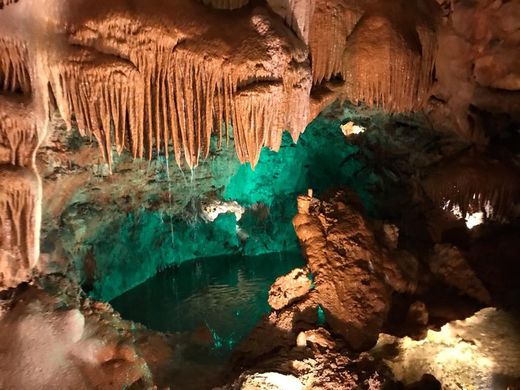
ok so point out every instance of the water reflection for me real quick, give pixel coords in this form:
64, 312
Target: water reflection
228, 295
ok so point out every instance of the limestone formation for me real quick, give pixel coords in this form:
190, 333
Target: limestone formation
20, 203
448, 263
14, 72
157, 89
331, 24
297, 14
354, 276
289, 288
6, 2
19, 136
389, 63
475, 183
226, 4
477, 68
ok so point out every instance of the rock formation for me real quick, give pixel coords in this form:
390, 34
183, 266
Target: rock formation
354, 276
389, 57
289, 288
449, 265
476, 69
20, 204
60, 340
473, 183
156, 77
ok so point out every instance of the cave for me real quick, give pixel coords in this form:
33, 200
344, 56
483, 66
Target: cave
259, 194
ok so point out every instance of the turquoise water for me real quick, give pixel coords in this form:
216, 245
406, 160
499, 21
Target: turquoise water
225, 296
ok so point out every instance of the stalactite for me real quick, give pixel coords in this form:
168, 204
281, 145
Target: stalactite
14, 74
226, 4
186, 93
297, 14
19, 223
104, 94
18, 131
332, 22
175, 98
472, 182
7, 2
388, 59
254, 113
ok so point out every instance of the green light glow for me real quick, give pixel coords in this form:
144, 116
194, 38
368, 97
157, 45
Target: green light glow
321, 316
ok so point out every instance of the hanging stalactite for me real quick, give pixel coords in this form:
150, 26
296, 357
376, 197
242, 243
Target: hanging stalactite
474, 183
104, 94
18, 131
14, 60
7, 2
297, 15
388, 59
19, 223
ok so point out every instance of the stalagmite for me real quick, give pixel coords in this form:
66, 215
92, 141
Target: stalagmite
387, 63
19, 223
14, 74
18, 131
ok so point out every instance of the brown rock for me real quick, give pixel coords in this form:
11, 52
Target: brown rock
289, 288
354, 276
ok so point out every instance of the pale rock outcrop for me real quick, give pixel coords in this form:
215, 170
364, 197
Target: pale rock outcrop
58, 340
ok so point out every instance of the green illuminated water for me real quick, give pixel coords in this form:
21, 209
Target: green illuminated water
227, 295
